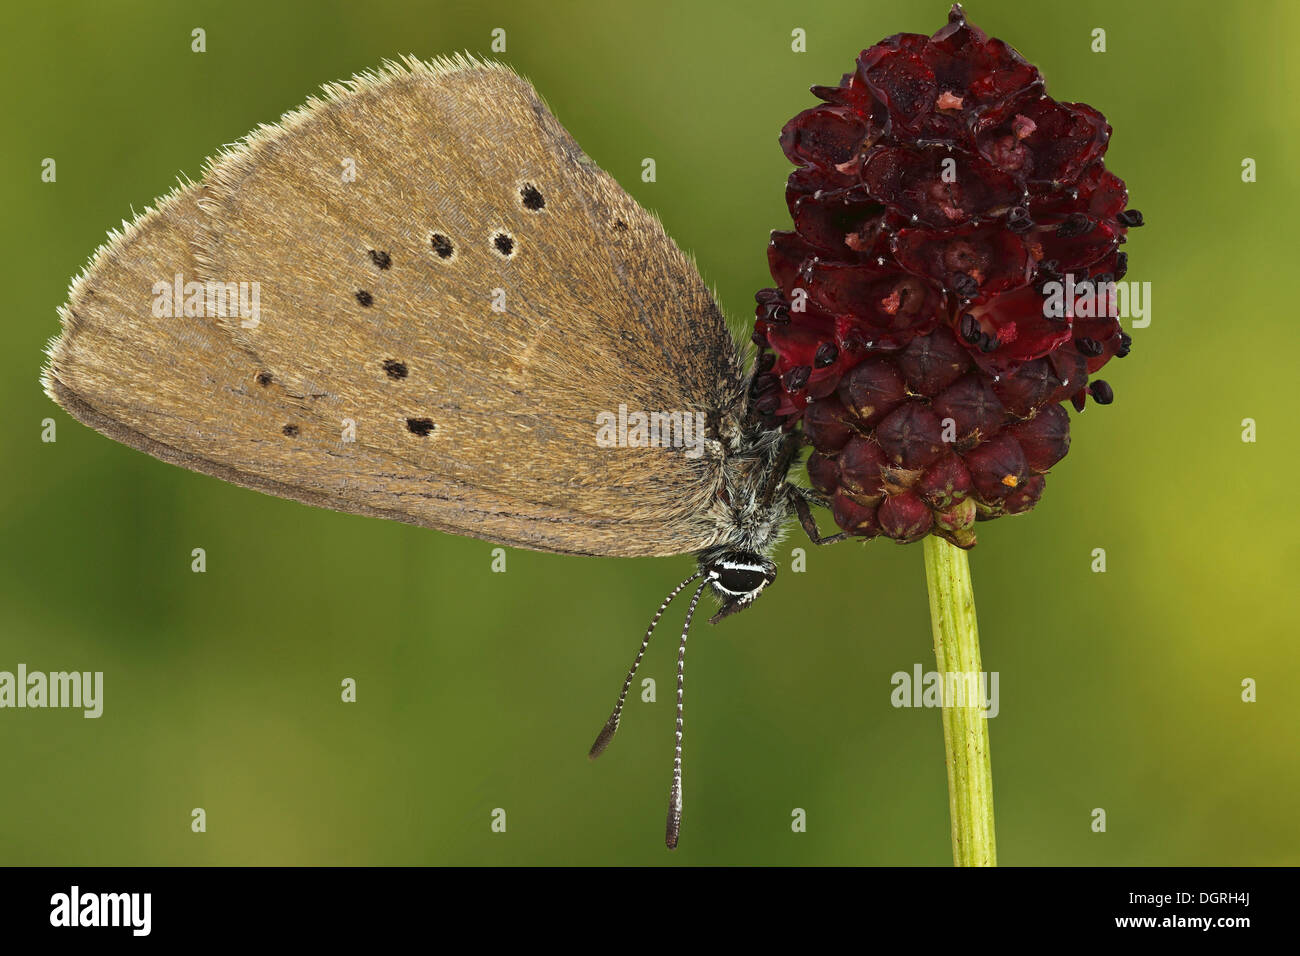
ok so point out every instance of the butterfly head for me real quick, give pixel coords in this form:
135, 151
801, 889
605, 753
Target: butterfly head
737, 577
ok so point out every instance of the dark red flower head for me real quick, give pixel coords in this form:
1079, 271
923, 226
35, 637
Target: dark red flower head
946, 284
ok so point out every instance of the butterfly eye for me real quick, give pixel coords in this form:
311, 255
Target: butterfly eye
741, 575
741, 580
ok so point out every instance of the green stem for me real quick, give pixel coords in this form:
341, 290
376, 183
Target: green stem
965, 728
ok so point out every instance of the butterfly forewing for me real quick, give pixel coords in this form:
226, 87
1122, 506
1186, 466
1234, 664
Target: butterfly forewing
175, 387
442, 327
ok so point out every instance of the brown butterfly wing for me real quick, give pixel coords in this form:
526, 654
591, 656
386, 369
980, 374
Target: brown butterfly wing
511, 455
178, 389
542, 316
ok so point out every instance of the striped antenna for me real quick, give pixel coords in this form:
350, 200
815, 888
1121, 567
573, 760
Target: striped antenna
675, 794
611, 725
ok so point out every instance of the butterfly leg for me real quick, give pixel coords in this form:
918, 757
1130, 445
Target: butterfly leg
801, 498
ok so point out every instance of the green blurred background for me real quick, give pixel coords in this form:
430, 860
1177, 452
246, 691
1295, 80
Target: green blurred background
478, 690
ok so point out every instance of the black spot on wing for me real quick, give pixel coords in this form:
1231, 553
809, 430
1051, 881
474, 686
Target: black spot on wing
532, 197
441, 245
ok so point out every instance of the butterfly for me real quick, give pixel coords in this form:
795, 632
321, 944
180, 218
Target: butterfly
415, 298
